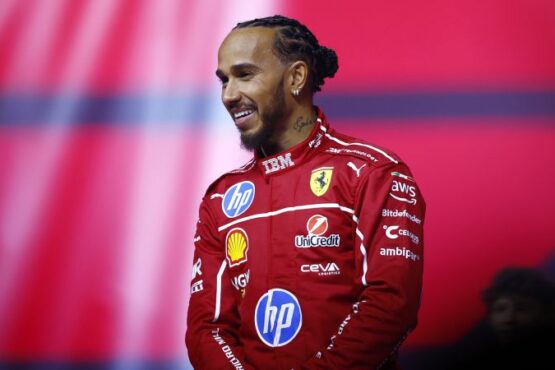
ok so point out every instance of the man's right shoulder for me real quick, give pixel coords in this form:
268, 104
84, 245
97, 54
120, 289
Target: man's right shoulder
223, 182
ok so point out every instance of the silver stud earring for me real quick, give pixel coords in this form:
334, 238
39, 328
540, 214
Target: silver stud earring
296, 92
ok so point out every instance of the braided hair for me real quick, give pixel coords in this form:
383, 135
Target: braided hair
521, 281
293, 42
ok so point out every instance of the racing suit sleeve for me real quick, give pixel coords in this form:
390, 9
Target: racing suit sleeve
389, 260
213, 320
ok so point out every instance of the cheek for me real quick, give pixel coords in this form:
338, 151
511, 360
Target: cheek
531, 317
496, 319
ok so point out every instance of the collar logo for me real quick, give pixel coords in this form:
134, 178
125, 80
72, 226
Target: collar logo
237, 245
320, 180
278, 163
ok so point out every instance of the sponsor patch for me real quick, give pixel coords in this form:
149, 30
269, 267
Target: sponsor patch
317, 225
236, 246
403, 176
399, 252
393, 232
320, 180
278, 163
196, 269
400, 213
402, 189
315, 143
226, 349
238, 198
322, 269
240, 282
197, 287
278, 317
357, 170
352, 151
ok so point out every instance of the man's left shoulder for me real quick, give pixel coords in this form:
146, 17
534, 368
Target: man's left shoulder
344, 145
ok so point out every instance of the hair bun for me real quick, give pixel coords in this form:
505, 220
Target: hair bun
293, 42
328, 61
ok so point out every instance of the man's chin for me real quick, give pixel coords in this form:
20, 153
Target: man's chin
249, 142
253, 140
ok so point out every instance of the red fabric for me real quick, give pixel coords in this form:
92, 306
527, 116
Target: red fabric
359, 295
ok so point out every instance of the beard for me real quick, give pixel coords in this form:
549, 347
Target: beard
271, 119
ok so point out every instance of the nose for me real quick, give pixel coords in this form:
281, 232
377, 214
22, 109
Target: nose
230, 93
509, 315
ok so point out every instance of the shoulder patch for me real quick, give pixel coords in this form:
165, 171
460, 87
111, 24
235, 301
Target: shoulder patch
243, 169
344, 145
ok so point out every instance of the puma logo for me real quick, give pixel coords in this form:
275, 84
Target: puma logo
354, 168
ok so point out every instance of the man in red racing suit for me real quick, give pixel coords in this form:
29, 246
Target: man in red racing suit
309, 258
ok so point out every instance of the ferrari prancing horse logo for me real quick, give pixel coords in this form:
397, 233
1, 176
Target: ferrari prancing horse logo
320, 180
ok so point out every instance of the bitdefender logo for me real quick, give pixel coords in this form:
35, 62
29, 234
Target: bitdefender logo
400, 213
317, 225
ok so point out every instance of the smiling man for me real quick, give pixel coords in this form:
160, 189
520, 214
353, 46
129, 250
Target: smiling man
310, 255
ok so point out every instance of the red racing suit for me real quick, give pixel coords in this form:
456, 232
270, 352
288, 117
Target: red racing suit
308, 259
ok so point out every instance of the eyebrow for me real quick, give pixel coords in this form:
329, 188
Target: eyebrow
238, 67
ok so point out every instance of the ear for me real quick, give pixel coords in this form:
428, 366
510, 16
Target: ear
297, 77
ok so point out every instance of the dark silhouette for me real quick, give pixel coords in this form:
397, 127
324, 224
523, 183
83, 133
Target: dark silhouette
519, 331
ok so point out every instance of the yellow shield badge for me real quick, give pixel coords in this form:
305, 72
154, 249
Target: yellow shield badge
237, 245
320, 180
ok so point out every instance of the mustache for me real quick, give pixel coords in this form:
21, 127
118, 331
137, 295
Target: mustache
236, 106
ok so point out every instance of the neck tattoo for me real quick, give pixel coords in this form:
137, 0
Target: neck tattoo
303, 122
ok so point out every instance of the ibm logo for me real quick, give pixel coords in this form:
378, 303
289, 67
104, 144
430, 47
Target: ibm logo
278, 163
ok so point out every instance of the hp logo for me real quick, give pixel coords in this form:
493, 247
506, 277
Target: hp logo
278, 317
238, 198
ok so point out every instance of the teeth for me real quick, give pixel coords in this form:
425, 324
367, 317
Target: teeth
242, 114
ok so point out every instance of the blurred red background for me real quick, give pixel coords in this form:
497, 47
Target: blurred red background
111, 128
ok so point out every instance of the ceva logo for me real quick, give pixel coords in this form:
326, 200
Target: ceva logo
322, 269
238, 198
278, 317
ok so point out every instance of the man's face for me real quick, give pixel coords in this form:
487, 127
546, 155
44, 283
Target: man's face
252, 84
514, 316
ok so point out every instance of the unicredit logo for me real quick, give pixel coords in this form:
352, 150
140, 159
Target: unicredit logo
317, 226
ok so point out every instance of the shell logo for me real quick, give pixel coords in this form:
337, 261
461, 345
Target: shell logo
317, 225
237, 245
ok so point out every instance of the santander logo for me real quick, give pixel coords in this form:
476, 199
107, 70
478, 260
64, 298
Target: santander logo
317, 225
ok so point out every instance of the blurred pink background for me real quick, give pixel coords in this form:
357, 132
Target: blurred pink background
111, 128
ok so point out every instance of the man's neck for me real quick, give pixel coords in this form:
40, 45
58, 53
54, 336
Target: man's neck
297, 129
